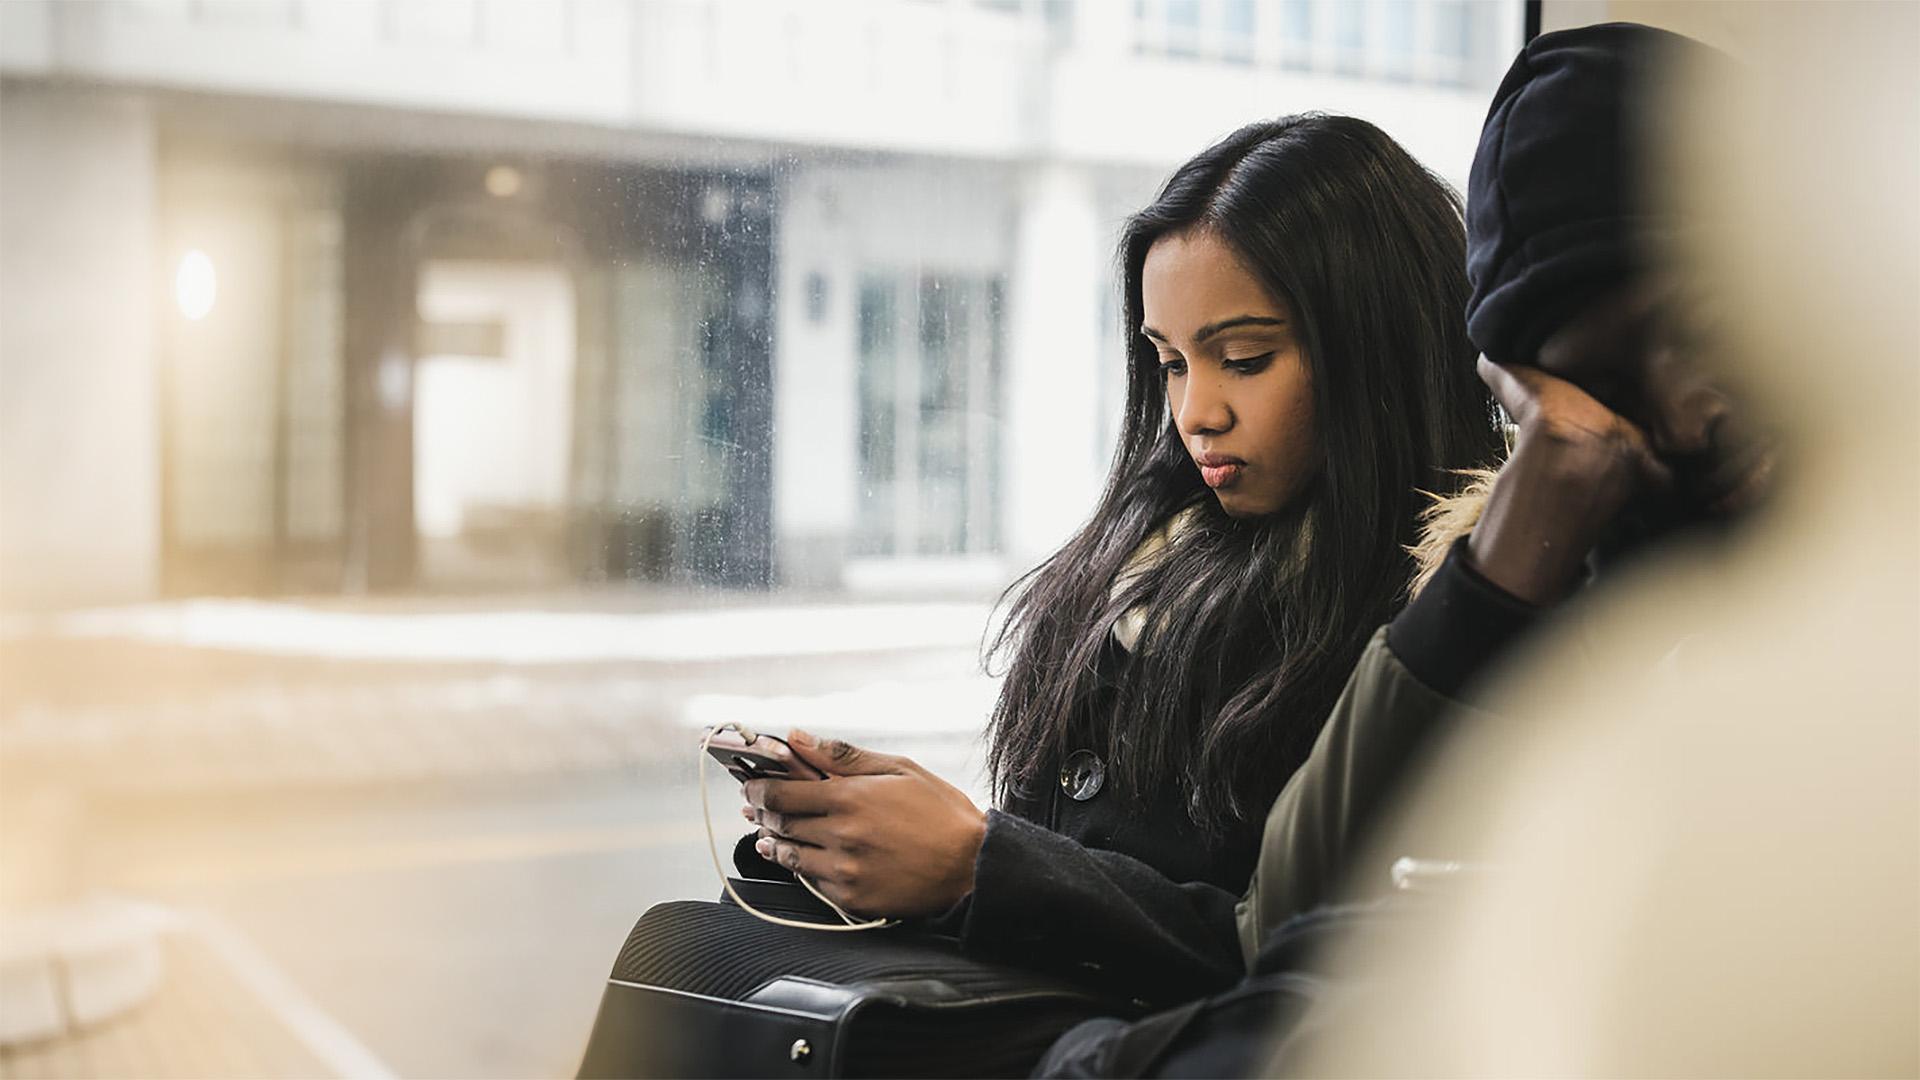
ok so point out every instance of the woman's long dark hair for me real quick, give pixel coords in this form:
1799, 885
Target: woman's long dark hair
1254, 625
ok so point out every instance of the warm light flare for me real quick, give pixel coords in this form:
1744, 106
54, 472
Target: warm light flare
503, 181
194, 285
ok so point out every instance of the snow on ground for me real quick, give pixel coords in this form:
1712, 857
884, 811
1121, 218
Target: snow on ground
528, 637
933, 707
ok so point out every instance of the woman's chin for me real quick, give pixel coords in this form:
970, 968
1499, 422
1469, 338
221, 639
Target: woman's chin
1237, 505
1245, 502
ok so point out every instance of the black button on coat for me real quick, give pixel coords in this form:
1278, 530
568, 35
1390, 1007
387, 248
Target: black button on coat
1116, 866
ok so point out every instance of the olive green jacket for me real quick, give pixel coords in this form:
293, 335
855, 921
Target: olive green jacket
1320, 821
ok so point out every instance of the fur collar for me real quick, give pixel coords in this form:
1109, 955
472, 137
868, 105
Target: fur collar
1128, 628
1449, 518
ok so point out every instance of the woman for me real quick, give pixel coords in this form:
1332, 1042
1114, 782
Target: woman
1298, 374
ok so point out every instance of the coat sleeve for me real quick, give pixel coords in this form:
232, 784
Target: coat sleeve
1045, 899
1042, 897
1413, 679
1320, 818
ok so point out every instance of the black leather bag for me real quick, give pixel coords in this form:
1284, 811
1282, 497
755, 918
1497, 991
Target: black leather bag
706, 989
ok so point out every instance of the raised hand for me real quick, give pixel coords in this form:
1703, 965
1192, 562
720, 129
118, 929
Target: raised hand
1575, 465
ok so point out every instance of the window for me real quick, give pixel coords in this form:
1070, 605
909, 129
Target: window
1238, 31
1296, 32
1183, 28
929, 387
1397, 59
415, 446
1435, 42
1350, 36
1457, 32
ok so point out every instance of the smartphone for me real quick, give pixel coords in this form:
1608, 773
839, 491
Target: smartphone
765, 757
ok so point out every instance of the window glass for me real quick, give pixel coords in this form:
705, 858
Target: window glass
1397, 21
1296, 31
1350, 36
1454, 34
1238, 29
1459, 28
423, 417
1183, 27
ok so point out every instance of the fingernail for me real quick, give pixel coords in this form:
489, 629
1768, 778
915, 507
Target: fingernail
747, 812
764, 847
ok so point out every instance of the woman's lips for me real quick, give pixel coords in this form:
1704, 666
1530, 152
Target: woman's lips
1218, 470
1219, 476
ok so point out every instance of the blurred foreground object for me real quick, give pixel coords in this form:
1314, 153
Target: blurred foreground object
75, 965
67, 961
1715, 860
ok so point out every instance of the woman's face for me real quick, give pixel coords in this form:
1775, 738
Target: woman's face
1237, 381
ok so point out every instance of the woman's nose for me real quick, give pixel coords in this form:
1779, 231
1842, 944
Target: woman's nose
1203, 408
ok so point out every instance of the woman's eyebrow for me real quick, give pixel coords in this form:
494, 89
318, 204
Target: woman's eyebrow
1213, 328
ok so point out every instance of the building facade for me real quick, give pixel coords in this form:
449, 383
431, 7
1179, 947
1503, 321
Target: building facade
312, 296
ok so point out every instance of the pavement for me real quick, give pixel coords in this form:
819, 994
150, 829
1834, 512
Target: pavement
178, 1034
401, 840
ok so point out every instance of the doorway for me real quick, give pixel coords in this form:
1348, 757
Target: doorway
493, 423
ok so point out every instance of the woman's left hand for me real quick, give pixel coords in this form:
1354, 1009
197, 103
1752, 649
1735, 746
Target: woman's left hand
880, 836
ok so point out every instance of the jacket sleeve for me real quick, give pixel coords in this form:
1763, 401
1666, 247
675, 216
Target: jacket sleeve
1415, 673
1320, 816
1043, 898
1040, 896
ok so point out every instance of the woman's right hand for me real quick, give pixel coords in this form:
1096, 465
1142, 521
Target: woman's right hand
1575, 466
881, 836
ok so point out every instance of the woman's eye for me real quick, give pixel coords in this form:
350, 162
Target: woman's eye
1247, 365
1173, 367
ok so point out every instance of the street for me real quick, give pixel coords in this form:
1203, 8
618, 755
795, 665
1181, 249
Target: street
457, 920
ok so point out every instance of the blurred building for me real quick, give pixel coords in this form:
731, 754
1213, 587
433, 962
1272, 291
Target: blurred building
348, 295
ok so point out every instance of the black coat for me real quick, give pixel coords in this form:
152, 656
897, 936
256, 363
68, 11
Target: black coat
1057, 879
1129, 895
1068, 871
1129, 891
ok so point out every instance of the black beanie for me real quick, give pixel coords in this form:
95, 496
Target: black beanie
1555, 214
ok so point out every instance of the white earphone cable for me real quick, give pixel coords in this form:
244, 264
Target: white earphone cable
713, 851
